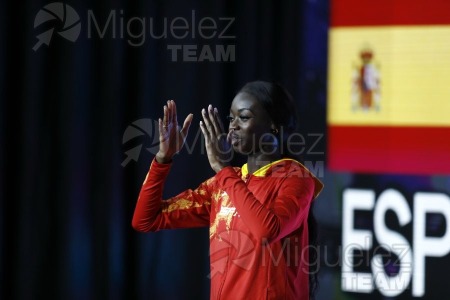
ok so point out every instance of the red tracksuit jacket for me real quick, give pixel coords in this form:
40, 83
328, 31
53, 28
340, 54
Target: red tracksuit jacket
257, 222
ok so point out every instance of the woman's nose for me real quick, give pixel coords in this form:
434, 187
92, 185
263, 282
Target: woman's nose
233, 124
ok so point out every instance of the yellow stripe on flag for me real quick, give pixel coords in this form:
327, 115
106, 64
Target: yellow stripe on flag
413, 65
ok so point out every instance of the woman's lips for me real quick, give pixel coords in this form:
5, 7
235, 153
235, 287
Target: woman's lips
234, 138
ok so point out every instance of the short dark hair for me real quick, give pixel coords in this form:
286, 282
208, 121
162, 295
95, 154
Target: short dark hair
277, 101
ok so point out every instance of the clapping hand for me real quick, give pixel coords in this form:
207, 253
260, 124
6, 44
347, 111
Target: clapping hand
171, 138
218, 147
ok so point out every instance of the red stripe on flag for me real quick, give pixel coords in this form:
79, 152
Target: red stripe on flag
402, 150
389, 12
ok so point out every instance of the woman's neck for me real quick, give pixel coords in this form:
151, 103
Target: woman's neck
260, 159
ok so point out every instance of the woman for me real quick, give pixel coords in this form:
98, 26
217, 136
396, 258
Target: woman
257, 214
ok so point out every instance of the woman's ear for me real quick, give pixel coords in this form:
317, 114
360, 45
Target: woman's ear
273, 128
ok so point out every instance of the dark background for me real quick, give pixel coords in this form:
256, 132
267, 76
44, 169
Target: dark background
67, 201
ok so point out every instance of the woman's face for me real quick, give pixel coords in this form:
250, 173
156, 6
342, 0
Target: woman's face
250, 124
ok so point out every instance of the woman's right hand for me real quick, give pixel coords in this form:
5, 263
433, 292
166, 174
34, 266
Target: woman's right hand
171, 138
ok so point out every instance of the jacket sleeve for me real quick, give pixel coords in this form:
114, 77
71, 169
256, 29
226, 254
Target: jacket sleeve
289, 211
190, 208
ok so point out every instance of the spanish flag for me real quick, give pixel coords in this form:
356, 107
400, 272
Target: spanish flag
389, 87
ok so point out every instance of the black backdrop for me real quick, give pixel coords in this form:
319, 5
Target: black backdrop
66, 199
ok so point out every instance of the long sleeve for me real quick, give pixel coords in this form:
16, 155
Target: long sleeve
190, 208
285, 215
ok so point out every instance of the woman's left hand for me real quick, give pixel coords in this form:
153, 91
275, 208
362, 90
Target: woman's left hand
217, 146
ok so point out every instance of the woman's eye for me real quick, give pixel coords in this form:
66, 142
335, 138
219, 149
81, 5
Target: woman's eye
241, 118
